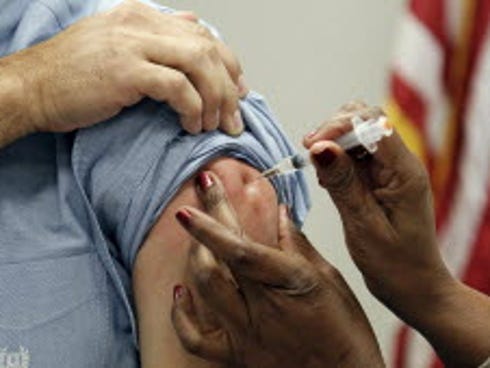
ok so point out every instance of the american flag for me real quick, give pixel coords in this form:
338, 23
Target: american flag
440, 101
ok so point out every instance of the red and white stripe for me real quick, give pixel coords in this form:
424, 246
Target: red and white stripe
431, 38
471, 199
414, 42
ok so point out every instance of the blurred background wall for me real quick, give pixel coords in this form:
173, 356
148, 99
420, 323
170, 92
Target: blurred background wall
308, 58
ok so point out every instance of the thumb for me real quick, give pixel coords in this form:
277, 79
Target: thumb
292, 240
337, 173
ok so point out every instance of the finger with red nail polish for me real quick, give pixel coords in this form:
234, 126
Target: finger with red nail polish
179, 292
204, 181
184, 217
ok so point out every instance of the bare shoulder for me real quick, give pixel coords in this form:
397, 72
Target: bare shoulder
161, 261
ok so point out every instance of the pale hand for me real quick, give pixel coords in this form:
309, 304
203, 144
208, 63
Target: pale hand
112, 60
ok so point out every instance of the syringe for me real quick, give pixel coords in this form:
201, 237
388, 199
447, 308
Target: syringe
365, 133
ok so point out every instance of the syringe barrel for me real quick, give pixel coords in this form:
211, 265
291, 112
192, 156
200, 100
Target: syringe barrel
366, 133
348, 141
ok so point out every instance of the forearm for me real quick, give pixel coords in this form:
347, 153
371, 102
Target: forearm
457, 326
14, 120
454, 318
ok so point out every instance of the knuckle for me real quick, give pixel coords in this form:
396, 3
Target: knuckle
417, 181
193, 344
232, 63
212, 98
231, 95
123, 77
340, 184
354, 106
333, 275
302, 278
338, 180
125, 13
229, 104
213, 53
205, 50
119, 67
242, 256
421, 180
206, 275
195, 49
193, 108
194, 111
376, 112
178, 82
202, 31
110, 49
201, 234
214, 198
235, 69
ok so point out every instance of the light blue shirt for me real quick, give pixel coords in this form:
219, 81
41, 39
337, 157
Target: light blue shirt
74, 208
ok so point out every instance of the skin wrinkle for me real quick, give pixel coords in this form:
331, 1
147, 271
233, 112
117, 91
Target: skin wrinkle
161, 261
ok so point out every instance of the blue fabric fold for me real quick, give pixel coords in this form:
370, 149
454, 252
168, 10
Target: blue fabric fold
131, 166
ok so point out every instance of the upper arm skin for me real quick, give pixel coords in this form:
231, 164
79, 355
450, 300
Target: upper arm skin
161, 261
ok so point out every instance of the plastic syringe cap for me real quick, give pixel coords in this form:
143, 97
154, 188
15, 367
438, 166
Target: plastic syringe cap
370, 132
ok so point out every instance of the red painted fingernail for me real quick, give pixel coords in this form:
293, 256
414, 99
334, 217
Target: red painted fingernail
325, 158
184, 217
204, 181
179, 292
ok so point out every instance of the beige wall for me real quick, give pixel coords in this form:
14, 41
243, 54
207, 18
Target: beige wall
308, 58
